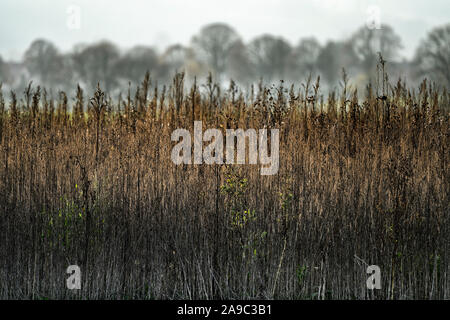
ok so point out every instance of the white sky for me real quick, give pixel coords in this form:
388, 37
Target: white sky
163, 22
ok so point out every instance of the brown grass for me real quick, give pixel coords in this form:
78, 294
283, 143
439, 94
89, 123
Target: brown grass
360, 181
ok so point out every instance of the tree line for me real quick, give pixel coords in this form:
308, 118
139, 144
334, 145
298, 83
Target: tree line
218, 48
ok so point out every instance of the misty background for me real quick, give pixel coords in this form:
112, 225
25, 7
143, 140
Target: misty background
59, 44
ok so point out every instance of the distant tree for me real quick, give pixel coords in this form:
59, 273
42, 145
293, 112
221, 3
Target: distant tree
177, 58
270, 56
433, 55
135, 63
239, 67
214, 43
367, 43
3, 71
43, 60
303, 60
95, 63
333, 57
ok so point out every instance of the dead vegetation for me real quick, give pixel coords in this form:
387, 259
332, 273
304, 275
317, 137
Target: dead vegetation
91, 182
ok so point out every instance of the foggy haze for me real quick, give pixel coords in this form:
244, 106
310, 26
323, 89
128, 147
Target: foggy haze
161, 23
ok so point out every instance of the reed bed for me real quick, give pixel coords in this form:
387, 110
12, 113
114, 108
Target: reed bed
90, 181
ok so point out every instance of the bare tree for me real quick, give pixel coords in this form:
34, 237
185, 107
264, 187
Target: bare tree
174, 57
95, 63
240, 64
4, 74
270, 56
215, 42
368, 42
304, 58
133, 65
43, 61
178, 58
333, 57
433, 55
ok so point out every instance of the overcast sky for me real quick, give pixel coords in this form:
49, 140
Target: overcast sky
163, 22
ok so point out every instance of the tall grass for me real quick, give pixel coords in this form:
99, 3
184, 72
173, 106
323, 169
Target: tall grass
361, 182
